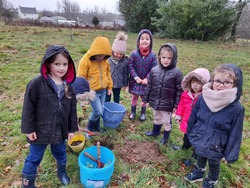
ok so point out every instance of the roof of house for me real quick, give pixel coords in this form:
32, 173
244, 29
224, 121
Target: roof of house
28, 10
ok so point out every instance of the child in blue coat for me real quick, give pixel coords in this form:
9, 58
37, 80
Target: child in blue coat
216, 123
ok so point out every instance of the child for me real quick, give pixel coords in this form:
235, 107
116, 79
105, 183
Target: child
192, 85
216, 123
95, 68
118, 66
141, 61
164, 90
49, 113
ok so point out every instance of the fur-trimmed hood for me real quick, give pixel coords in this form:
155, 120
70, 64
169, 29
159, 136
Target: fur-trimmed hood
201, 74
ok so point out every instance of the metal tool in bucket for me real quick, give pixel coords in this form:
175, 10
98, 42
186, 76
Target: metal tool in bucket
90, 175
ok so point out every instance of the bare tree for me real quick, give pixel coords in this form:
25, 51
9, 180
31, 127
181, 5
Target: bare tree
70, 9
238, 7
243, 27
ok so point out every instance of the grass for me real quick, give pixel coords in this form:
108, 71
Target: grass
21, 51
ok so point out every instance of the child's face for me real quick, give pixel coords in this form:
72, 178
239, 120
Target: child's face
117, 55
166, 58
99, 58
222, 81
144, 40
59, 67
196, 86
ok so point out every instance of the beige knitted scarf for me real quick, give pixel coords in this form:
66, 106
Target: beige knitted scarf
217, 100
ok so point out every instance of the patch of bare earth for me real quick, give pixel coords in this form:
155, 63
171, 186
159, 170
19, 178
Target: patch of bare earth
142, 152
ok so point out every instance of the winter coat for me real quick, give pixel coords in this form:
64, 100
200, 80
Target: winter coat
140, 66
50, 115
119, 72
218, 134
184, 108
97, 72
163, 90
188, 99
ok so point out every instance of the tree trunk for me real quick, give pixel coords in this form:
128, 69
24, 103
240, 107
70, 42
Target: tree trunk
239, 7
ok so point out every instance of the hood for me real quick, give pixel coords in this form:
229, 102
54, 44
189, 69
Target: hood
239, 78
201, 74
55, 49
151, 38
81, 85
175, 55
100, 45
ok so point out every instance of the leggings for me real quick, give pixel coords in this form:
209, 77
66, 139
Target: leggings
214, 167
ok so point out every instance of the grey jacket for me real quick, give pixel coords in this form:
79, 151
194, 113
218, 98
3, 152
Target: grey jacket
119, 72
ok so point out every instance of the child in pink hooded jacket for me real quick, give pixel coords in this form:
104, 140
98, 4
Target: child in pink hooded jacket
192, 86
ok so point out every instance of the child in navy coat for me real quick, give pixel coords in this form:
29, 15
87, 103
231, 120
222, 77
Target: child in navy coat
216, 123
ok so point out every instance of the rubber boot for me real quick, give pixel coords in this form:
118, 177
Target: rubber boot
91, 125
165, 137
133, 113
97, 127
62, 175
143, 113
155, 132
28, 181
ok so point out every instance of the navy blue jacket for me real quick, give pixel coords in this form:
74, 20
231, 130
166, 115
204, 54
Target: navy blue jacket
218, 134
42, 103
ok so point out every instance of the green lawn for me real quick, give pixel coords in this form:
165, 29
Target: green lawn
21, 51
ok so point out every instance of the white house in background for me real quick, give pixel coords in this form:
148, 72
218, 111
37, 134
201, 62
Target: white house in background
27, 13
46, 19
56, 18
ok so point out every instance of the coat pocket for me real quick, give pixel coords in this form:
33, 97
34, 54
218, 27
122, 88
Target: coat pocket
44, 128
219, 141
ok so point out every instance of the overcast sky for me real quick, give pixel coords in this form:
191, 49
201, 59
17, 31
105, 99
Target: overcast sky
109, 5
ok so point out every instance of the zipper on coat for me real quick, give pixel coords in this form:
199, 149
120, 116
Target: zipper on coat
100, 68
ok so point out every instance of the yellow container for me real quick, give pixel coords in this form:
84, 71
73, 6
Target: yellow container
77, 137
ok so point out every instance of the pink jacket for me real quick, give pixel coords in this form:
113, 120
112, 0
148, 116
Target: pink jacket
184, 109
188, 100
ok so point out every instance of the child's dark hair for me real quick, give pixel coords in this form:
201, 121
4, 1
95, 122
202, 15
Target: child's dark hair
51, 60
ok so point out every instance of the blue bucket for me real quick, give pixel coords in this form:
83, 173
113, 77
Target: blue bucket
113, 114
90, 175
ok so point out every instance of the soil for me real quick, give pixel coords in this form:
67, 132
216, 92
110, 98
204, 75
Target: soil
142, 152
76, 143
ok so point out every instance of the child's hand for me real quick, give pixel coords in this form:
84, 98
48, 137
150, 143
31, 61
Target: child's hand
145, 81
138, 81
124, 88
32, 136
70, 136
109, 92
